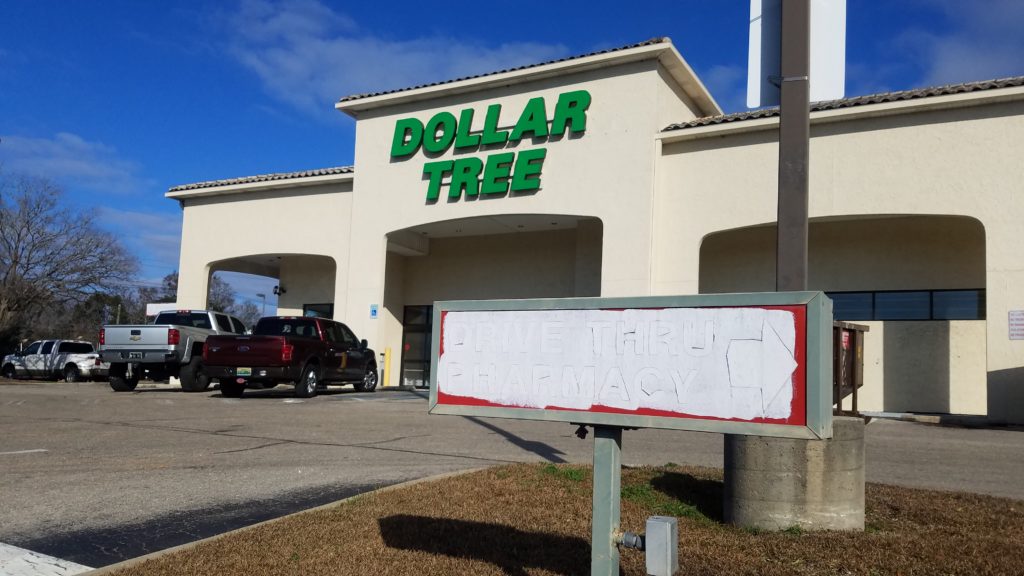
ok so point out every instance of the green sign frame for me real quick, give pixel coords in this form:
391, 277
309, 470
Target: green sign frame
817, 363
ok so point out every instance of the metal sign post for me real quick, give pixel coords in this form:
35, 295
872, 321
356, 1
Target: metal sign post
604, 551
754, 364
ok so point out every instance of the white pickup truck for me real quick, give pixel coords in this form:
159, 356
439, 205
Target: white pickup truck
68, 360
171, 346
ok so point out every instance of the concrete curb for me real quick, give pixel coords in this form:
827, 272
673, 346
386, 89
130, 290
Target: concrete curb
959, 420
140, 559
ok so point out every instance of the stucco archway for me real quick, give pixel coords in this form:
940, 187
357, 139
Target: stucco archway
481, 258
917, 281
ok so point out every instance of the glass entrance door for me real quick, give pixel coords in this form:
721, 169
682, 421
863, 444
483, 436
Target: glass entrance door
417, 323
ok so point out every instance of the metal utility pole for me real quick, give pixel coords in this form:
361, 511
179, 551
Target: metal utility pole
264, 297
794, 147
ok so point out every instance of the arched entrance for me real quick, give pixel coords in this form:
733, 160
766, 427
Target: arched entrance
305, 283
481, 258
918, 282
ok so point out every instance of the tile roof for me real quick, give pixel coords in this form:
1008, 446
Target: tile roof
652, 41
265, 178
857, 101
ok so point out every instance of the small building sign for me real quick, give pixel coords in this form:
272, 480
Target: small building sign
1016, 324
736, 363
373, 311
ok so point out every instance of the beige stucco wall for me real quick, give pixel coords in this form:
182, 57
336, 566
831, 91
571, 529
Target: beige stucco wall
604, 174
933, 367
652, 199
955, 161
307, 280
532, 265
902, 253
283, 224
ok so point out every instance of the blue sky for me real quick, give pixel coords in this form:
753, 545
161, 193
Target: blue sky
118, 100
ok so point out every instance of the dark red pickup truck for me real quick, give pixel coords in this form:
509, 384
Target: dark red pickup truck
309, 352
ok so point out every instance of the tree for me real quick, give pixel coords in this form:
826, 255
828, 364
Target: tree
247, 312
221, 296
51, 257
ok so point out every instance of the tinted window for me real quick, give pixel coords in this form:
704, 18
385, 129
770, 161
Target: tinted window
184, 318
903, 305
852, 306
239, 327
418, 315
958, 304
347, 336
47, 347
333, 332
75, 348
33, 348
223, 324
303, 327
318, 310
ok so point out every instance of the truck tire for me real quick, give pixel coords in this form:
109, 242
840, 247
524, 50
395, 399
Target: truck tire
192, 377
305, 386
8, 371
119, 380
231, 389
71, 373
369, 381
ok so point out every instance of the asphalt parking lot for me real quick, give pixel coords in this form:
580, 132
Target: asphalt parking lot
96, 477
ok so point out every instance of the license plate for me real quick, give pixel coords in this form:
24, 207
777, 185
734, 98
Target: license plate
243, 372
135, 355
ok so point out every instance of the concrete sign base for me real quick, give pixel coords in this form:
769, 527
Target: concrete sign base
780, 483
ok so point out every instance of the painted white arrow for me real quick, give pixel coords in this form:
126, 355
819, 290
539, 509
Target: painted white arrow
760, 375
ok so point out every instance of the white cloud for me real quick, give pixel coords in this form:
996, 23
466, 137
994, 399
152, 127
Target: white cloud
155, 236
984, 41
72, 161
309, 56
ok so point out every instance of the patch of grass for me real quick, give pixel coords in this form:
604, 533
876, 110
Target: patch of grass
662, 505
794, 531
534, 520
574, 474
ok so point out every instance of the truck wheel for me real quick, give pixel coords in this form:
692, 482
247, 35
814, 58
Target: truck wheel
8, 371
305, 387
369, 382
231, 389
192, 377
119, 380
71, 374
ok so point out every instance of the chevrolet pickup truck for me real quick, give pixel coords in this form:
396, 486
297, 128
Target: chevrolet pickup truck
309, 352
171, 346
68, 360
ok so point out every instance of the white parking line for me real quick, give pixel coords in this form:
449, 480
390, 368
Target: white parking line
16, 561
24, 451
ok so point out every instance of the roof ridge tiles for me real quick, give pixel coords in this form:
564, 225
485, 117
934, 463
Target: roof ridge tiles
649, 42
877, 98
265, 178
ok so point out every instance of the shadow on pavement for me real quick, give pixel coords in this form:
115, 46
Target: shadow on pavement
107, 545
545, 451
508, 548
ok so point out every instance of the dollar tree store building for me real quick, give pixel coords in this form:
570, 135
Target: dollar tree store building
616, 174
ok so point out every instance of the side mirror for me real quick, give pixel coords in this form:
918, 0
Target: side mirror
363, 344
